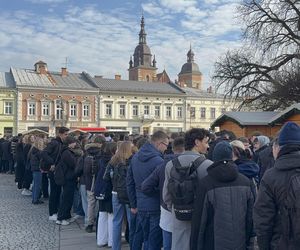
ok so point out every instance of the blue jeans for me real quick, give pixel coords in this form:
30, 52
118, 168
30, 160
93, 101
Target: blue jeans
77, 206
152, 234
84, 202
136, 238
167, 240
37, 183
119, 211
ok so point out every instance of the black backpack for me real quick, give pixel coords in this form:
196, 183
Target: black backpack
290, 212
182, 186
119, 176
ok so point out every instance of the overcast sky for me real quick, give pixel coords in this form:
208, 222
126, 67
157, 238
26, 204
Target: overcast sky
98, 36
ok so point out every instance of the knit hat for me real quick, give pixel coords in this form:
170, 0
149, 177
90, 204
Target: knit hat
237, 144
222, 152
263, 140
70, 139
289, 134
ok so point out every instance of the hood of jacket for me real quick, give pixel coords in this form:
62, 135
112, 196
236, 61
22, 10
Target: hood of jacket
223, 171
247, 167
288, 157
93, 148
147, 152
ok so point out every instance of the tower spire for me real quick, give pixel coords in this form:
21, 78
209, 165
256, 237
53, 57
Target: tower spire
142, 33
190, 54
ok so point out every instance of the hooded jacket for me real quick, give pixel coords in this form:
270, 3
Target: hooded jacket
143, 163
222, 219
270, 198
52, 153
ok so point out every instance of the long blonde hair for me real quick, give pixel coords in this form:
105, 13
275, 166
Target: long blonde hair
123, 153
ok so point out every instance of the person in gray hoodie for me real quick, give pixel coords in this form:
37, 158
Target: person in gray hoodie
196, 145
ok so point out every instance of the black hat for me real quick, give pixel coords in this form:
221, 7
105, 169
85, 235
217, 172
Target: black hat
222, 152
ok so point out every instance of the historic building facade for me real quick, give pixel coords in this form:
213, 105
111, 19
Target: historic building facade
140, 107
8, 107
47, 100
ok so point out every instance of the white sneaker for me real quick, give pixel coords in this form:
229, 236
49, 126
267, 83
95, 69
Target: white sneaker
26, 192
58, 222
65, 223
53, 217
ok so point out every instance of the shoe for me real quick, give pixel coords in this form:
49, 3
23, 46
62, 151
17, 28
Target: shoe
53, 217
89, 229
104, 245
26, 192
65, 223
37, 202
77, 216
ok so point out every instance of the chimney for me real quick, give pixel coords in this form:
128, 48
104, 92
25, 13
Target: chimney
64, 71
98, 77
117, 77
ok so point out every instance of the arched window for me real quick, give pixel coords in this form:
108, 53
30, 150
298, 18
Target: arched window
147, 78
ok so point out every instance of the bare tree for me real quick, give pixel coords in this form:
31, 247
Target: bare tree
265, 73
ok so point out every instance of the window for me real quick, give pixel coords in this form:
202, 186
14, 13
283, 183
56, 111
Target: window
59, 110
223, 110
122, 109
135, 110
179, 112
146, 110
8, 108
73, 110
212, 113
31, 108
86, 110
168, 111
108, 111
157, 111
45, 109
202, 112
193, 112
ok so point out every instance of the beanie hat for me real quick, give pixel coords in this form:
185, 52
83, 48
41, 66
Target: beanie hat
222, 152
70, 139
99, 139
237, 144
289, 134
263, 140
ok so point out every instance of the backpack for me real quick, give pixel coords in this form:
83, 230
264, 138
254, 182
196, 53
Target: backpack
59, 174
119, 176
92, 162
182, 187
290, 212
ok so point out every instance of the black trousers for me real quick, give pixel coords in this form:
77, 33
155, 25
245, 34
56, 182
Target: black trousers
27, 179
64, 211
54, 198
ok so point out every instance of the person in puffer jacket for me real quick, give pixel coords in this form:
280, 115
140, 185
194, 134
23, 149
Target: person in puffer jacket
222, 217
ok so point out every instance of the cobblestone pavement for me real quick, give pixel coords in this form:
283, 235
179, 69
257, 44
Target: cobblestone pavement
22, 224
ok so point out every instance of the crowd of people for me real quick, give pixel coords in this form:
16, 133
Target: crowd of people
195, 190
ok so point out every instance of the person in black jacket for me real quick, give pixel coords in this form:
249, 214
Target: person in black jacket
222, 217
35, 158
68, 162
50, 158
268, 213
20, 166
7, 157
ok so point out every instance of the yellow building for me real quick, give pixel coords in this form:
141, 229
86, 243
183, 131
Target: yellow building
8, 120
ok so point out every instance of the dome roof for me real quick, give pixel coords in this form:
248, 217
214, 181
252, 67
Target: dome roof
142, 49
190, 67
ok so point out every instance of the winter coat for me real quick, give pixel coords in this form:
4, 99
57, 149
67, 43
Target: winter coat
222, 217
93, 150
181, 230
257, 152
250, 169
35, 158
105, 187
52, 153
265, 160
68, 161
20, 168
6, 151
156, 180
143, 163
270, 198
